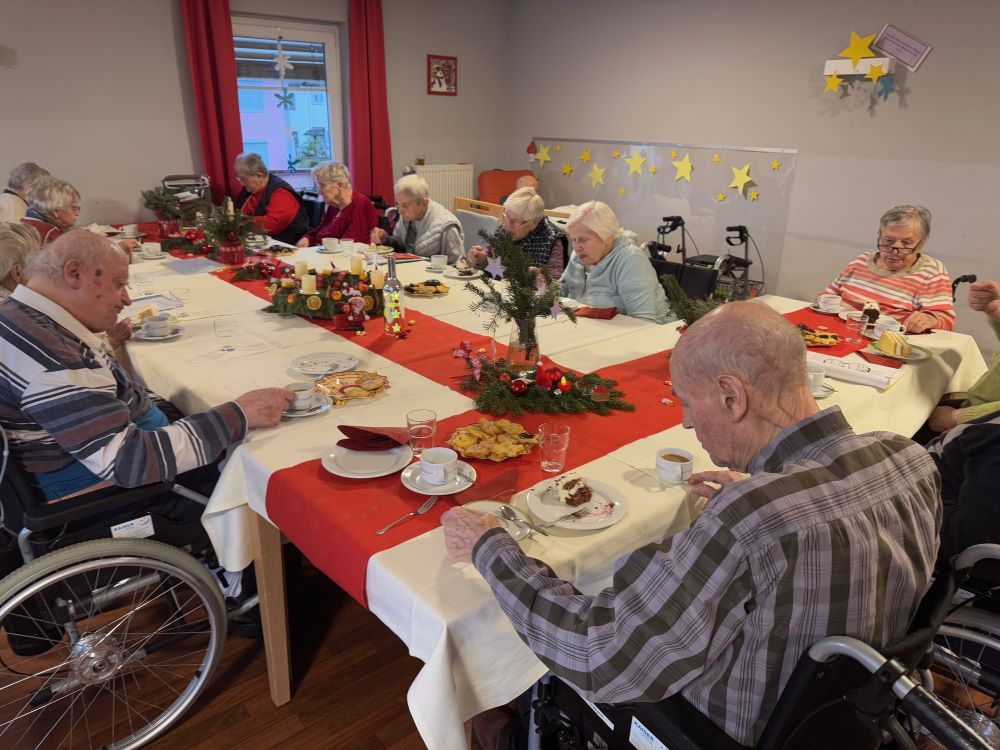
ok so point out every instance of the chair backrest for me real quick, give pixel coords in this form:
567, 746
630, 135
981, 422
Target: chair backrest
195, 184
472, 223
314, 206
479, 207
494, 184
697, 282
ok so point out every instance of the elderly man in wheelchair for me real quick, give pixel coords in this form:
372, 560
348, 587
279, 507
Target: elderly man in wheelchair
123, 627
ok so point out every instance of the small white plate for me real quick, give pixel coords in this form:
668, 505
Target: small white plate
144, 256
324, 362
452, 273
816, 308
323, 251
321, 405
517, 530
414, 480
823, 392
366, 464
607, 507
131, 236
430, 269
919, 353
175, 331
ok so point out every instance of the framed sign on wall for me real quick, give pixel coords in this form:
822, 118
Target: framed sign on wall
442, 75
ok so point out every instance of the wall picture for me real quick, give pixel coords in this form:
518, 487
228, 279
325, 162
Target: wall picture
442, 75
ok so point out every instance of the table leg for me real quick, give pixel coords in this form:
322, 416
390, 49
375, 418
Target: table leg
270, 570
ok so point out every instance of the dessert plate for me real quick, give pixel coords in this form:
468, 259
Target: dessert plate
175, 331
517, 530
607, 507
321, 405
324, 362
414, 480
816, 308
452, 273
366, 464
919, 354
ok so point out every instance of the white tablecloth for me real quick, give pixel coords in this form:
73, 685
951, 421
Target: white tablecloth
443, 611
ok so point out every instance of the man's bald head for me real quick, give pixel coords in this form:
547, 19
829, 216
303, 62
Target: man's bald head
92, 250
526, 180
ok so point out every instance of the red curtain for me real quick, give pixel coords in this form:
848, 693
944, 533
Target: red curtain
208, 29
370, 151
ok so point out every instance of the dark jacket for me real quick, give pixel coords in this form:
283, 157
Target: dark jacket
300, 224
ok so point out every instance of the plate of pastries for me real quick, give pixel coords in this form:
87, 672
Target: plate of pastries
352, 384
429, 288
494, 441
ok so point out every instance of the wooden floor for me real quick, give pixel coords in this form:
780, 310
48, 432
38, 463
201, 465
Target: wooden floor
350, 677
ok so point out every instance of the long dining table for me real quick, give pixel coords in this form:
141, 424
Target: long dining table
273, 481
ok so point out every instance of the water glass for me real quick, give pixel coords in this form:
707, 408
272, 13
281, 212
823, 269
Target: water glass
225, 332
856, 323
553, 442
183, 295
421, 425
142, 282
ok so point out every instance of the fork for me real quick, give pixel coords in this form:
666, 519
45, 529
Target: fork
428, 504
574, 514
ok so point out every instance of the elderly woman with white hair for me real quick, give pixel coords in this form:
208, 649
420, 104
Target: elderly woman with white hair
275, 204
17, 241
53, 207
13, 203
607, 268
524, 220
350, 216
425, 227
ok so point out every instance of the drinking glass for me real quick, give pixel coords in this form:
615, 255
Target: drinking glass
142, 282
421, 425
855, 324
225, 332
183, 295
553, 442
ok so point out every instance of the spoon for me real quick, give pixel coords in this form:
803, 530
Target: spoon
506, 512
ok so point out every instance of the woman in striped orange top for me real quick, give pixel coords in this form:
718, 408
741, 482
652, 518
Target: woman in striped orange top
909, 286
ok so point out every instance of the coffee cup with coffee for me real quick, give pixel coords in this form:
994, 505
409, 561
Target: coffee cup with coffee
156, 325
887, 324
828, 303
438, 465
439, 262
303, 395
151, 249
130, 230
331, 244
816, 377
674, 465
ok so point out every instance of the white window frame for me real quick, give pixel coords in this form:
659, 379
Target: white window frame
329, 37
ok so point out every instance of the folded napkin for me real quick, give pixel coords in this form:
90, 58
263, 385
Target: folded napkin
372, 438
878, 359
602, 313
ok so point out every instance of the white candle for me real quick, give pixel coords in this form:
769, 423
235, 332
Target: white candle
309, 284
301, 268
357, 264
229, 207
378, 278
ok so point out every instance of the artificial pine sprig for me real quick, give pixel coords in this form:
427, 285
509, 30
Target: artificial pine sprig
685, 308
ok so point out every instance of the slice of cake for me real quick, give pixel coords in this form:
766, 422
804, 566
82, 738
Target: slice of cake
575, 492
894, 344
143, 314
871, 311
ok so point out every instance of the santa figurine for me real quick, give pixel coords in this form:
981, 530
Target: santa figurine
356, 315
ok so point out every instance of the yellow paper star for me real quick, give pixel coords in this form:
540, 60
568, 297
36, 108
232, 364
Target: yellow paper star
874, 73
673, 154
833, 83
776, 165
615, 154
635, 162
558, 148
652, 169
567, 169
621, 191
683, 167
542, 156
740, 178
720, 197
585, 155
754, 195
859, 48
716, 158
596, 175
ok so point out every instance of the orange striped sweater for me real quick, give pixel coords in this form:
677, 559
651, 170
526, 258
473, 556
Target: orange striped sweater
925, 287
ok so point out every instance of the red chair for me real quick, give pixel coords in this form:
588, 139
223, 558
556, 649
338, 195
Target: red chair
494, 184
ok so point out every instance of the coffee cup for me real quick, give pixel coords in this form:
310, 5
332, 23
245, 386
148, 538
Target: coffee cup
130, 230
150, 249
156, 325
439, 262
828, 303
816, 377
438, 465
303, 395
331, 244
674, 465
887, 324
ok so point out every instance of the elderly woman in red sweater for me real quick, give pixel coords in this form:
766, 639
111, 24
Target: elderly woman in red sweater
909, 286
350, 216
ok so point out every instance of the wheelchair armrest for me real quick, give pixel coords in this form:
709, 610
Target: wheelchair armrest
81, 507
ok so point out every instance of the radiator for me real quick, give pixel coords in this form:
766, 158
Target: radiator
448, 182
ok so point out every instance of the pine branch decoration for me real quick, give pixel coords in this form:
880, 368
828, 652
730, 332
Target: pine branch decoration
685, 308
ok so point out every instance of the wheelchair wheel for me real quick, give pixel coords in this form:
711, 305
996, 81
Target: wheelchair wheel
105, 644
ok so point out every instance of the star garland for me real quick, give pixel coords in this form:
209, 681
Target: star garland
281, 64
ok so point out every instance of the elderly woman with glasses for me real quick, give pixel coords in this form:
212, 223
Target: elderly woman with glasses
425, 227
350, 216
53, 207
524, 220
17, 241
909, 286
275, 204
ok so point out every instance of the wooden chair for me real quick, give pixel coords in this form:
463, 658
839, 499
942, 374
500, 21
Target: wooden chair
479, 207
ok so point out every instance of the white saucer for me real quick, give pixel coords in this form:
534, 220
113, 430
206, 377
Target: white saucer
608, 506
321, 363
175, 331
823, 392
144, 256
321, 404
816, 308
366, 464
414, 480
517, 530
323, 251
131, 236
436, 270
452, 273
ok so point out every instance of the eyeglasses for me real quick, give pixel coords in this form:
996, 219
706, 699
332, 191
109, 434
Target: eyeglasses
508, 219
892, 249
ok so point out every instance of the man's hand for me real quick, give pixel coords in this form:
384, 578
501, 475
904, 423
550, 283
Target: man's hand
378, 235
476, 256
263, 407
463, 528
984, 296
128, 245
119, 333
943, 418
721, 478
918, 322
304, 242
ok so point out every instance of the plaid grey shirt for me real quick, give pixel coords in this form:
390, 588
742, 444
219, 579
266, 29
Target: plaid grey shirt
833, 533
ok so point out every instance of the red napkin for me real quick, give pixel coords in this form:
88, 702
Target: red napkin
878, 359
602, 313
372, 438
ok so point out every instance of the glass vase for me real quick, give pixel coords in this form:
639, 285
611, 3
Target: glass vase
522, 350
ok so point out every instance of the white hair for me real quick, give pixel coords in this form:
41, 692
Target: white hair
247, 164
526, 203
17, 242
50, 193
414, 186
21, 176
904, 214
332, 171
598, 218
91, 249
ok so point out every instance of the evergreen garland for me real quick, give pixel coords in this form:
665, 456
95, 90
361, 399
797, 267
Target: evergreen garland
163, 203
685, 308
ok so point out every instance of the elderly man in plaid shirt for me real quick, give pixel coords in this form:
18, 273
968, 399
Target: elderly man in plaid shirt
831, 533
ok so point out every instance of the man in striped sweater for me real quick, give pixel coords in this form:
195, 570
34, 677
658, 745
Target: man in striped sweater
831, 533
909, 286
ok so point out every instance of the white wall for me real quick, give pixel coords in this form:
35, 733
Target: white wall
738, 73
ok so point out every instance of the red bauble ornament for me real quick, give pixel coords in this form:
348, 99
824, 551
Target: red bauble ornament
518, 387
543, 380
555, 373
504, 377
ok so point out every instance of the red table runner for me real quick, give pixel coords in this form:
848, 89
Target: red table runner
831, 323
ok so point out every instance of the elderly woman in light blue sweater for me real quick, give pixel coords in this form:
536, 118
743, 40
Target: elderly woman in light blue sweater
607, 268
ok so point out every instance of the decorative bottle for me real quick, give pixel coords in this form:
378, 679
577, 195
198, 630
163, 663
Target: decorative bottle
392, 296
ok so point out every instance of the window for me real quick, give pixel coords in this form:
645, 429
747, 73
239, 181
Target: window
293, 124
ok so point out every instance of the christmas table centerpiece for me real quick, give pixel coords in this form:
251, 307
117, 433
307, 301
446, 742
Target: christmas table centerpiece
228, 230
348, 299
167, 208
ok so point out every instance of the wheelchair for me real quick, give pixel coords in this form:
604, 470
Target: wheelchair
937, 687
104, 642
